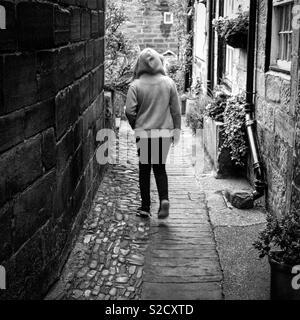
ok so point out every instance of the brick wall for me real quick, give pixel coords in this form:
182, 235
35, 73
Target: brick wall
51, 106
146, 24
277, 108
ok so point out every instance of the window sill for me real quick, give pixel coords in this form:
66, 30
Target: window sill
280, 70
276, 72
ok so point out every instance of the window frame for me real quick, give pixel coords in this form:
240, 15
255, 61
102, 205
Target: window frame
273, 42
171, 18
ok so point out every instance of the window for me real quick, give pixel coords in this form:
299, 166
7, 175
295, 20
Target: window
229, 10
229, 63
2, 18
229, 7
168, 18
282, 35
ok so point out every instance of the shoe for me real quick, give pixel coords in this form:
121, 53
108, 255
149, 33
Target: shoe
164, 209
143, 213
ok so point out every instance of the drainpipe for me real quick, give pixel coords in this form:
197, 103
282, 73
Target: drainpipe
249, 107
211, 47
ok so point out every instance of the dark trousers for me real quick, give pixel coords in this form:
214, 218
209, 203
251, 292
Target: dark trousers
153, 153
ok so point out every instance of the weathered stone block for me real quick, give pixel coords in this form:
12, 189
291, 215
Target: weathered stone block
64, 70
6, 232
36, 25
79, 60
65, 150
28, 265
92, 4
277, 190
64, 191
8, 36
19, 167
39, 117
11, 130
273, 85
62, 27
101, 5
77, 133
85, 26
77, 167
19, 86
48, 149
75, 24
89, 55
84, 93
79, 196
45, 74
33, 208
67, 109
94, 24
98, 52
88, 148
285, 96
101, 23
88, 120
284, 126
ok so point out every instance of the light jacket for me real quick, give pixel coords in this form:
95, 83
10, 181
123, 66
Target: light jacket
152, 100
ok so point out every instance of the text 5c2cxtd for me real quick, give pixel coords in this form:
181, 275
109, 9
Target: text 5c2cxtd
171, 309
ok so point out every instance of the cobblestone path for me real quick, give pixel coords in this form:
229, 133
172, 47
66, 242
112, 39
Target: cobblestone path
119, 256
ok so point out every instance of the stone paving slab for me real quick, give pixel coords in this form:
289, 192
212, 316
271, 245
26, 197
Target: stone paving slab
182, 291
181, 261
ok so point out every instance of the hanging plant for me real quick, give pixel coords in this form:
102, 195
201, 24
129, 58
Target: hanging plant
233, 30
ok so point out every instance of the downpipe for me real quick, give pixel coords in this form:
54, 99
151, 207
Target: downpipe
249, 107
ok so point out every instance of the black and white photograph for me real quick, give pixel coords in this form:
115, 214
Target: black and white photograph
149, 153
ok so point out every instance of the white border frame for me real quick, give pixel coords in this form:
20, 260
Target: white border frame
169, 15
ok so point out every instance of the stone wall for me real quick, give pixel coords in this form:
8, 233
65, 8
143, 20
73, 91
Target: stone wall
51, 106
146, 24
277, 108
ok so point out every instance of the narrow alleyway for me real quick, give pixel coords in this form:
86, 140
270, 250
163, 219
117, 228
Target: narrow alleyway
120, 256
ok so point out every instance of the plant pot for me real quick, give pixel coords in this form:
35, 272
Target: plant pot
220, 159
281, 282
237, 40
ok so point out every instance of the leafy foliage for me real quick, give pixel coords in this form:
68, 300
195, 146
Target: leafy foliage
194, 118
280, 240
177, 70
216, 108
120, 51
233, 30
235, 134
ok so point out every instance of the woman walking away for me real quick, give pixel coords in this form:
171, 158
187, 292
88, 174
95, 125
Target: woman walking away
153, 111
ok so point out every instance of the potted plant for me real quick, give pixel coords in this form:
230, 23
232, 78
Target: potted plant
225, 140
233, 30
280, 242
